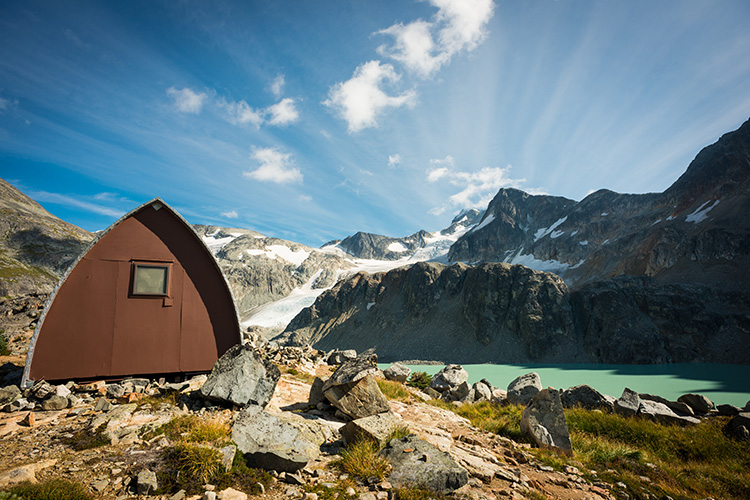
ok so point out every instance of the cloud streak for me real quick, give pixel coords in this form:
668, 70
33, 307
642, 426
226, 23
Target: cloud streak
187, 100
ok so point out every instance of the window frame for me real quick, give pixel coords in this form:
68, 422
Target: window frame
135, 264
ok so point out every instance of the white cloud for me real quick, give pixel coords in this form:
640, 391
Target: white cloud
360, 100
277, 87
394, 160
476, 188
187, 100
458, 25
283, 113
275, 166
413, 47
240, 113
305, 198
3, 104
75, 201
232, 214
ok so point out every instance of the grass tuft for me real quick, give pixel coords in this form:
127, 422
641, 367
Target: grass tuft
418, 492
361, 459
393, 390
86, 440
193, 429
400, 431
189, 467
55, 489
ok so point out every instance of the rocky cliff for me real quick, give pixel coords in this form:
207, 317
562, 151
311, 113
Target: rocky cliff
697, 231
501, 313
35, 246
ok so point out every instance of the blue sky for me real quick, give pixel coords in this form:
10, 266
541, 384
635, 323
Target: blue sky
310, 121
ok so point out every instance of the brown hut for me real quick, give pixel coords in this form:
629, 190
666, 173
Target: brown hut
146, 298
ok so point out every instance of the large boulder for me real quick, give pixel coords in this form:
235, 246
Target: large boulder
660, 412
739, 426
544, 421
358, 399
375, 428
450, 377
585, 396
353, 370
523, 388
628, 404
270, 443
417, 462
337, 357
241, 377
698, 402
9, 394
397, 372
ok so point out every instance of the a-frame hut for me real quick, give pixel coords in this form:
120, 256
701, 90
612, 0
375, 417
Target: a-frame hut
146, 298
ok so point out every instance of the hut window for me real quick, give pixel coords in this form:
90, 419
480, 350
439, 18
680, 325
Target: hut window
151, 279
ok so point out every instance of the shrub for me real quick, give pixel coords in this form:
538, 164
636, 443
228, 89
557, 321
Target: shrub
193, 429
4, 349
188, 467
55, 489
86, 440
420, 380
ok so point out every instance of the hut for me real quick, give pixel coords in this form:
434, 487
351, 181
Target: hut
147, 298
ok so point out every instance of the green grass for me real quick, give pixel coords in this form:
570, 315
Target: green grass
86, 439
417, 492
686, 463
188, 467
193, 429
400, 431
55, 489
393, 390
4, 349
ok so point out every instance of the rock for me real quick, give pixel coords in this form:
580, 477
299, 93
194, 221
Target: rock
42, 389
544, 421
663, 413
397, 372
499, 396
739, 426
352, 370
99, 386
451, 376
728, 410
585, 396
415, 461
628, 404
316, 392
146, 483
24, 473
337, 357
102, 405
62, 390
241, 377
432, 393
358, 399
232, 494
482, 391
29, 419
180, 495
458, 393
524, 388
698, 402
209, 495
18, 405
375, 427
227, 456
100, 485
9, 394
270, 443
55, 402
115, 391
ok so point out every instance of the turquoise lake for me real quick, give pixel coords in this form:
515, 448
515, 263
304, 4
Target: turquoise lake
728, 384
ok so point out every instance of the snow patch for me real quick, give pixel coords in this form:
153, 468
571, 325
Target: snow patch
583, 243
579, 264
397, 247
671, 217
550, 266
556, 234
278, 314
604, 214
216, 244
574, 233
701, 213
484, 223
369, 305
283, 252
656, 222
541, 233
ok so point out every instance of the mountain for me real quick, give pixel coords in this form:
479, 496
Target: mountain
697, 231
502, 313
35, 247
416, 247
648, 278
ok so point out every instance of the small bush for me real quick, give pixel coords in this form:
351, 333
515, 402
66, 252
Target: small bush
189, 467
420, 380
401, 431
55, 489
393, 390
361, 459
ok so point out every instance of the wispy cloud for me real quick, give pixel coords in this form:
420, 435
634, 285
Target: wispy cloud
360, 100
3, 104
75, 201
304, 198
275, 166
277, 86
394, 160
240, 113
187, 100
232, 214
476, 188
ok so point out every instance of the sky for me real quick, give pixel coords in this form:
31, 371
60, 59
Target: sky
310, 121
